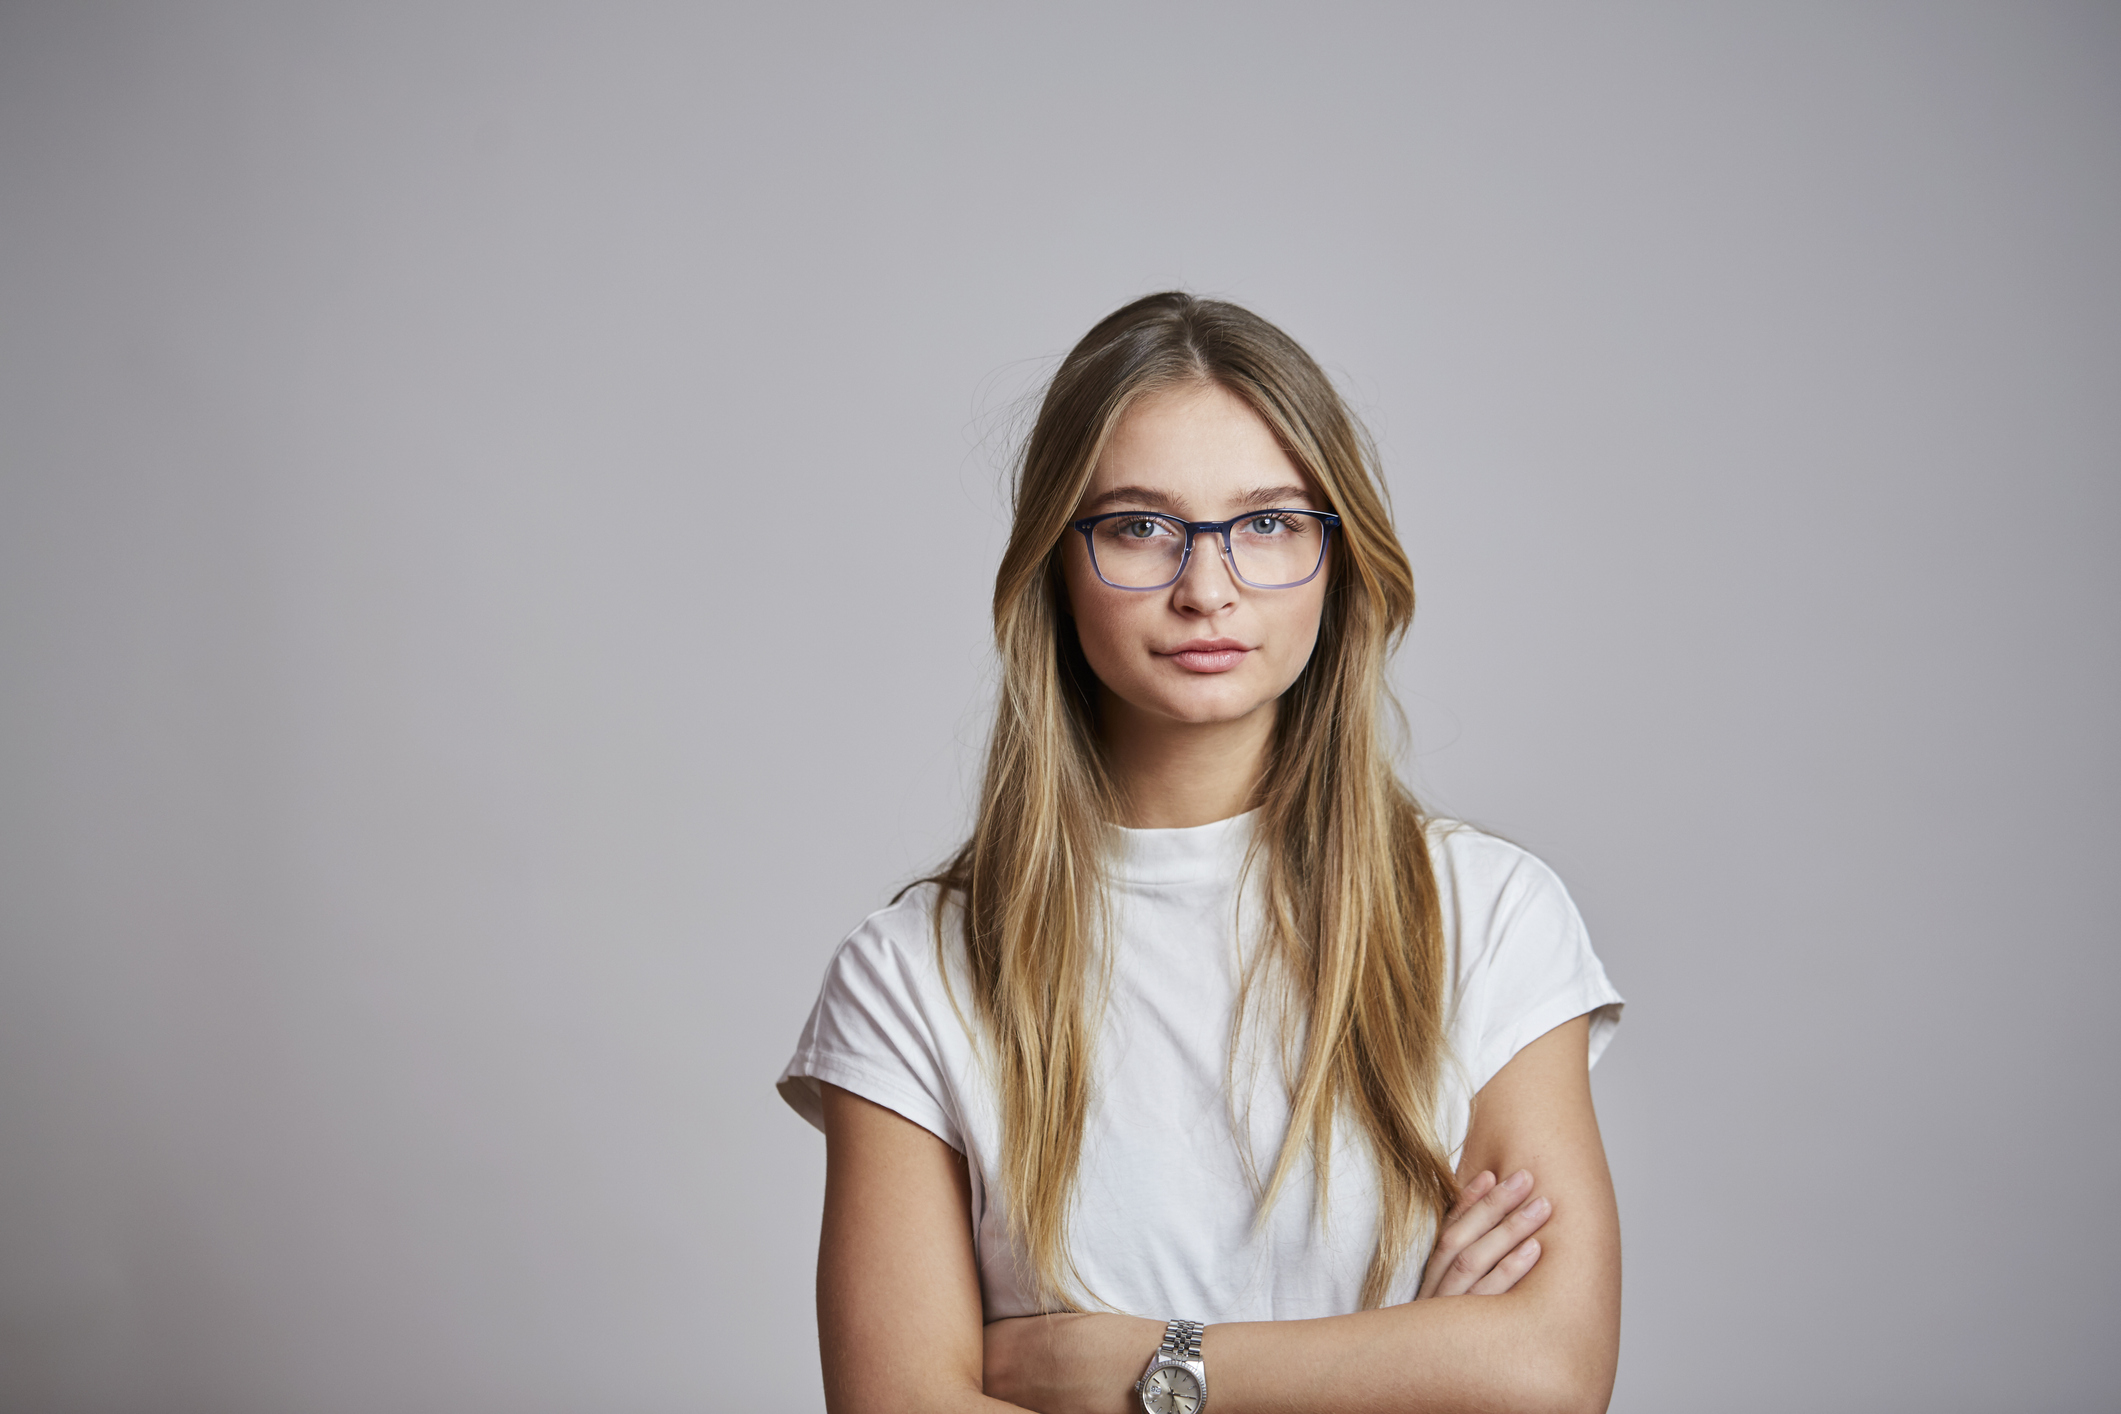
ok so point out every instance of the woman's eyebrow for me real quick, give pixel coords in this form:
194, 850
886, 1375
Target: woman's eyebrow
1136, 495
1292, 496
1145, 496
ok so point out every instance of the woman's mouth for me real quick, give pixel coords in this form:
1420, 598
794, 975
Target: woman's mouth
1208, 655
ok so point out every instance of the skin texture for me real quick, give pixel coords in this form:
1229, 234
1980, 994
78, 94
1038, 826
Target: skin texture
899, 1313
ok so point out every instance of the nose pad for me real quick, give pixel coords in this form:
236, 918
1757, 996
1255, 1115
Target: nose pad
1189, 587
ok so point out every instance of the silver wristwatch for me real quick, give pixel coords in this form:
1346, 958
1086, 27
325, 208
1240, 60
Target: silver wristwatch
1176, 1381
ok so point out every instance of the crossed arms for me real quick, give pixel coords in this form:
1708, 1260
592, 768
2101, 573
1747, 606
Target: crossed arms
899, 1314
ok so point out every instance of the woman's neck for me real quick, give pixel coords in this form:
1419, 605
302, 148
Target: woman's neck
1172, 775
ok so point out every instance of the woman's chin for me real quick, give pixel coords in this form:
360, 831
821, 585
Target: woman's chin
1210, 707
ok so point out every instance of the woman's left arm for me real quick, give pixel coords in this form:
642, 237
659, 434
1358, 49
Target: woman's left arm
1547, 1346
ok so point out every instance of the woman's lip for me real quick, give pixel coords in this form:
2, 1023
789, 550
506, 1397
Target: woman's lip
1216, 656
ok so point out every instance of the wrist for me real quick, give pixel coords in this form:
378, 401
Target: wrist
1117, 1348
1176, 1379
1070, 1363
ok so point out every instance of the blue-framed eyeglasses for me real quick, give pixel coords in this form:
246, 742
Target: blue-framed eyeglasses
1270, 549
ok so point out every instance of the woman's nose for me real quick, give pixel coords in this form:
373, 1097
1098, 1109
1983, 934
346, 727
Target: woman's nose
1207, 586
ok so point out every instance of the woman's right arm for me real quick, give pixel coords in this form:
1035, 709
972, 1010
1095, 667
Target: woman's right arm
898, 1299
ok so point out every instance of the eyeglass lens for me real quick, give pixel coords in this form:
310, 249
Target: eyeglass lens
1268, 550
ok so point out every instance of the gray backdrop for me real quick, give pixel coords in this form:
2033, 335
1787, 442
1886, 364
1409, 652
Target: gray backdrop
496, 512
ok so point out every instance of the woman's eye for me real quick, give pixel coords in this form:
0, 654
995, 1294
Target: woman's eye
1139, 529
1265, 525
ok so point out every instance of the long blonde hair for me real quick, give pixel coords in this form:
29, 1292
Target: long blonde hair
1350, 922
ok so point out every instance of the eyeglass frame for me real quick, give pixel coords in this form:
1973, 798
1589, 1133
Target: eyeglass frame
1329, 522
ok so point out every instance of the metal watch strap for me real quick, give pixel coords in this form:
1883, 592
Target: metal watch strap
1181, 1340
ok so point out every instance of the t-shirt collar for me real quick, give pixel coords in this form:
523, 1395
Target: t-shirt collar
1213, 850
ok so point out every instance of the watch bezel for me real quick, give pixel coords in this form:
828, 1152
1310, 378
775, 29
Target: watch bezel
1193, 1371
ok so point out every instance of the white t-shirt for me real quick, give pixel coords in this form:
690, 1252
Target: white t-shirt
1164, 1215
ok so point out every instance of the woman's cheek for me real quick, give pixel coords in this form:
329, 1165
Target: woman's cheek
1098, 636
1120, 662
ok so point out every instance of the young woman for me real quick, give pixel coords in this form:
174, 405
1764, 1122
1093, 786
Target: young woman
1207, 1023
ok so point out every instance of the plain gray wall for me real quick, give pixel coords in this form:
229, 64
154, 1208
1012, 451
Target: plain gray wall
496, 512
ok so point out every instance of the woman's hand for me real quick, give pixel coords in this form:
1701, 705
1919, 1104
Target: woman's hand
1486, 1243
1070, 1364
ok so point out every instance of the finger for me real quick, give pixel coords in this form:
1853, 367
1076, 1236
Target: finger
1479, 1257
1472, 1191
1486, 1203
1471, 1221
1510, 1270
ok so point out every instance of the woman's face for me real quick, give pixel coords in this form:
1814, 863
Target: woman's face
1209, 648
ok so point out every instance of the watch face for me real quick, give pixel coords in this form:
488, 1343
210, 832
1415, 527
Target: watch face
1171, 1390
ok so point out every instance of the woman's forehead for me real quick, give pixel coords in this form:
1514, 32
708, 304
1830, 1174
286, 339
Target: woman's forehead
1191, 451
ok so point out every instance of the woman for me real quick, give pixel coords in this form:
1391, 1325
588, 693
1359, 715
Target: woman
1195, 1025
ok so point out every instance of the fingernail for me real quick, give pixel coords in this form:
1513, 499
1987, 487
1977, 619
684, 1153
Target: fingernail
1538, 1208
1531, 1247
1520, 1179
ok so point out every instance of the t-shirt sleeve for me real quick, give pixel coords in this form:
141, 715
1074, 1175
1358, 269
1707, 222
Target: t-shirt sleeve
1525, 967
875, 1032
